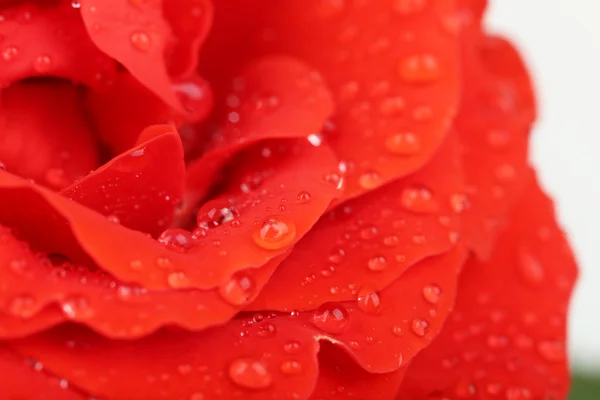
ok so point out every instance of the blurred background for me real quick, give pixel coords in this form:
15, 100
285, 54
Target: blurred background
560, 40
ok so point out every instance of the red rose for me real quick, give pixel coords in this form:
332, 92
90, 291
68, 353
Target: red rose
404, 251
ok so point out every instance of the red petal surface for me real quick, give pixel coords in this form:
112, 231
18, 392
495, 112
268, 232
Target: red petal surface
341, 378
36, 295
190, 22
276, 97
372, 239
141, 187
28, 207
50, 40
496, 114
44, 134
235, 361
506, 337
134, 33
21, 380
392, 66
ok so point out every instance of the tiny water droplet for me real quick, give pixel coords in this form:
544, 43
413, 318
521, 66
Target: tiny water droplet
291, 367
418, 200
420, 68
24, 306
292, 347
419, 326
377, 263
178, 280
432, 293
136, 265
551, 350
403, 144
368, 300
275, 233
397, 330
331, 317
303, 197
530, 268
238, 290
10, 53
369, 180
140, 40
164, 262
42, 63
250, 373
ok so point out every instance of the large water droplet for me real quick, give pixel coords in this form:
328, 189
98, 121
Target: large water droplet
141, 40
418, 200
368, 300
177, 239
403, 144
275, 233
250, 373
419, 326
238, 290
420, 68
432, 293
215, 213
377, 263
331, 317
42, 63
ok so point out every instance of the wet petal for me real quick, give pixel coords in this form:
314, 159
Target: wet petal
494, 121
44, 134
506, 336
50, 40
372, 239
276, 97
91, 236
233, 361
36, 294
22, 380
190, 22
141, 187
122, 111
394, 73
134, 33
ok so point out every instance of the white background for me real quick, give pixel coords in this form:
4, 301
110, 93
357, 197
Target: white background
560, 40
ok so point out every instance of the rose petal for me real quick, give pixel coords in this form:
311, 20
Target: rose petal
140, 187
36, 295
22, 380
372, 239
506, 336
190, 22
496, 114
280, 98
342, 378
50, 40
88, 234
394, 71
134, 33
44, 134
233, 361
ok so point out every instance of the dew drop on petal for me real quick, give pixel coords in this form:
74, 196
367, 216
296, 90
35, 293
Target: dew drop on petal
178, 280
140, 40
9, 53
23, 306
331, 317
250, 373
42, 63
418, 200
290, 367
419, 326
292, 347
177, 239
403, 144
303, 197
369, 180
432, 293
420, 68
275, 233
377, 263
238, 290
217, 212
368, 300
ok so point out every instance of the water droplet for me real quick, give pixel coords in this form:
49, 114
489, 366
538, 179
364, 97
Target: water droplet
497, 341
419, 326
136, 265
368, 300
10, 53
114, 219
530, 268
217, 212
24, 306
392, 106
250, 373
369, 232
551, 350
303, 197
238, 290
418, 200
77, 307
464, 388
178, 280
432, 293
403, 144
292, 347
75, 4
140, 40
369, 180
397, 330
408, 7
42, 63
331, 317
266, 330
377, 263
291, 367
177, 239
275, 233
459, 202
391, 241
164, 262
420, 68
517, 393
